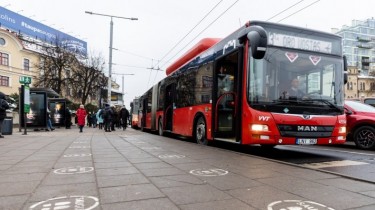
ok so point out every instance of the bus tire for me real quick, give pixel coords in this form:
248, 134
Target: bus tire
268, 146
160, 128
200, 131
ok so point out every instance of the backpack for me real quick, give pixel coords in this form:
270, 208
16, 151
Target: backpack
105, 114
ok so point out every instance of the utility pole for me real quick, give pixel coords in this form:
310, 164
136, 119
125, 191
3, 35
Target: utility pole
110, 48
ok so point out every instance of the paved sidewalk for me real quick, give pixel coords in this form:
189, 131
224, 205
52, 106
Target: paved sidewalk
65, 169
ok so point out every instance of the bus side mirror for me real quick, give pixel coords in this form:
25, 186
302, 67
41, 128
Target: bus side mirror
257, 37
345, 77
345, 63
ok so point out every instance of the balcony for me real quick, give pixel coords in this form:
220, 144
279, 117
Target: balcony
364, 39
365, 46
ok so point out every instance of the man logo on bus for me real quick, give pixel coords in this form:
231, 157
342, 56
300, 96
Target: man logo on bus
307, 128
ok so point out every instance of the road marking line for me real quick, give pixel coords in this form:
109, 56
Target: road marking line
339, 163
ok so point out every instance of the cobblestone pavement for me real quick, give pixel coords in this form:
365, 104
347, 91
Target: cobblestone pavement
65, 169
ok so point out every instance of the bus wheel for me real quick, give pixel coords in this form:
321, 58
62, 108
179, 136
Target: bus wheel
200, 131
161, 132
268, 146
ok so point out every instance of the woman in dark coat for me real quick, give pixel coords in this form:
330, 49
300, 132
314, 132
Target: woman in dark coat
68, 118
81, 117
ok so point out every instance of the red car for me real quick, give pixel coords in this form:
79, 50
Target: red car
360, 119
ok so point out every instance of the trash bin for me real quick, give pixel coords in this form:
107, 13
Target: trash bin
7, 128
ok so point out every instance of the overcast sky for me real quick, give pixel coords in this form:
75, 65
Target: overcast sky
163, 23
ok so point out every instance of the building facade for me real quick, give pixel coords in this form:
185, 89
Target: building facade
15, 61
359, 44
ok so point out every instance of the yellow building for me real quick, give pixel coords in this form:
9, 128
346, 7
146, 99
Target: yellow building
359, 86
15, 61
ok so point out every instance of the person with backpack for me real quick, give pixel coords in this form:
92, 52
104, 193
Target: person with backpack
107, 117
3, 107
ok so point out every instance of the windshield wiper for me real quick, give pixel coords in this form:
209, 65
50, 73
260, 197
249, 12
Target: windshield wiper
332, 105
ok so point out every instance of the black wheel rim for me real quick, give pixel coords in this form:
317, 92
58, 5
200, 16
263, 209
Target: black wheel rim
366, 138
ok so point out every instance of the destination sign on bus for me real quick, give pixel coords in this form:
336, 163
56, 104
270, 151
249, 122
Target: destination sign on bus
290, 41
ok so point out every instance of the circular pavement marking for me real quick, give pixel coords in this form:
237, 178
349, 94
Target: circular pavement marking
76, 202
73, 170
297, 205
165, 156
77, 155
209, 172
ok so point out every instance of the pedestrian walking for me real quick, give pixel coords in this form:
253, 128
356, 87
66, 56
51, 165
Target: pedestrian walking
49, 121
124, 114
3, 107
81, 117
99, 118
68, 118
107, 115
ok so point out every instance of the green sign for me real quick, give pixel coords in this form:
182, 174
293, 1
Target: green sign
25, 80
27, 99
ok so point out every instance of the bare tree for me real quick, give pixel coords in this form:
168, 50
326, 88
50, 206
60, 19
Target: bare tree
56, 59
89, 80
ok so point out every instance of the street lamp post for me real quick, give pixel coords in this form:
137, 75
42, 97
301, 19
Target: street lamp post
110, 48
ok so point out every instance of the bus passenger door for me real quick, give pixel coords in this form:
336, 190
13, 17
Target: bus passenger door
170, 92
225, 97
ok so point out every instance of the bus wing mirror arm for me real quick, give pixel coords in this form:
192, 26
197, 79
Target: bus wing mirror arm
257, 37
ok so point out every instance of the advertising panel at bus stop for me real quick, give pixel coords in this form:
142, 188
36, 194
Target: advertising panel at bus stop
57, 107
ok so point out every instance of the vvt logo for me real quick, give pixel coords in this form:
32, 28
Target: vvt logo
264, 118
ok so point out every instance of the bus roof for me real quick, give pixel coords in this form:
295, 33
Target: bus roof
200, 47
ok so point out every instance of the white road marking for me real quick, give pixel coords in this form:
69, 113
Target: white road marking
339, 163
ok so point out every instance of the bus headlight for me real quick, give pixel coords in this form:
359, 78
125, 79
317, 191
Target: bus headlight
259, 127
342, 129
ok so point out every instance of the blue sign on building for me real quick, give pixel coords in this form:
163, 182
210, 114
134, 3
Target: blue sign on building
36, 30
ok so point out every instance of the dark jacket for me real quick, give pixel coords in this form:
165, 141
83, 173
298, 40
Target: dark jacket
3, 106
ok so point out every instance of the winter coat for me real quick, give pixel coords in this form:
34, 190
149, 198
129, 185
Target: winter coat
3, 106
99, 118
81, 116
124, 113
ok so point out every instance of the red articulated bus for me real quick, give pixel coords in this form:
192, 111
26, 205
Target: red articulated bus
266, 84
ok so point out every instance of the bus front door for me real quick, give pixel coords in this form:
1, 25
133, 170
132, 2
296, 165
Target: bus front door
225, 98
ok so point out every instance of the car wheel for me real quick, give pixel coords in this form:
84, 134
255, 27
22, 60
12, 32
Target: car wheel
200, 131
364, 137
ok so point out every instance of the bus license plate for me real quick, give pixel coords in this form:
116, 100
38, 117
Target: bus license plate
306, 141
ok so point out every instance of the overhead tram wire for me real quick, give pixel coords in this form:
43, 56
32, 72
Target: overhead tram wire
191, 30
285, 10
201, 32
179, 42
134, 54
299, 10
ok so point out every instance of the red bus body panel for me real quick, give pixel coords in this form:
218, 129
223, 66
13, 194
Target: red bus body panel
201, 46
184, 125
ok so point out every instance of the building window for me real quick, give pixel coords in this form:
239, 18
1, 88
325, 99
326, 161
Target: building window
2, 42
4, 59
26, 64
4, 81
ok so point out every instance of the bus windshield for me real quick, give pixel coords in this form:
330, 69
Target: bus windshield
296, 82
